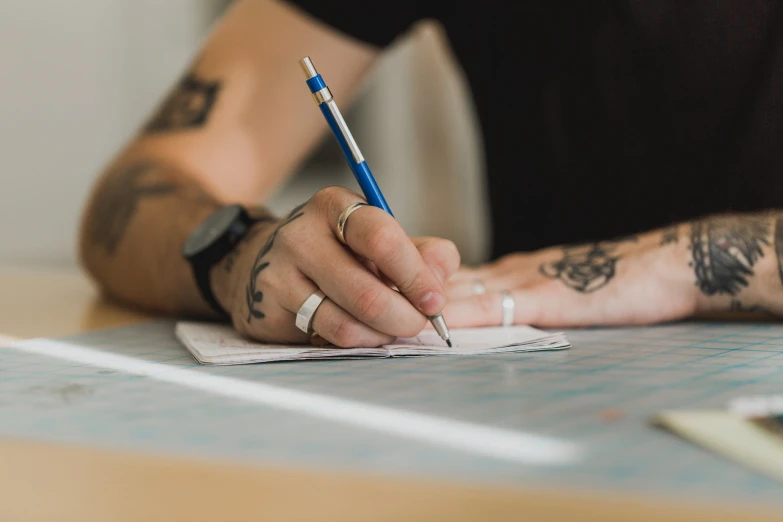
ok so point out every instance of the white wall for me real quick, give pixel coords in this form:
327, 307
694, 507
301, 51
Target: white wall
79, 77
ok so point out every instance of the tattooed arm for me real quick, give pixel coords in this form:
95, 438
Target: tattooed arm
736, 262
230, 130
719, 263
139, 216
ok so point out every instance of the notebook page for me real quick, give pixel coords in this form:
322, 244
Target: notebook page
477, 341
221, 344
475, 338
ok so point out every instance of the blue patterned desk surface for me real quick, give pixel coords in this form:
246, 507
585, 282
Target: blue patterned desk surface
639, 371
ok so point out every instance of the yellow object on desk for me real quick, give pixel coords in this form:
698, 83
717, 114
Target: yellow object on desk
730, 435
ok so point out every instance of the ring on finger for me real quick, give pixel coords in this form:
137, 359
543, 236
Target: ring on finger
304, 317
343, 219
509, 308
478, 287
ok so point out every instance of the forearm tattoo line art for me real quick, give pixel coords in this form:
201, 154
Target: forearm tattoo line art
187, 106
119, 199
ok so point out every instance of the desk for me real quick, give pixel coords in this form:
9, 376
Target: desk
37, 303
41, 481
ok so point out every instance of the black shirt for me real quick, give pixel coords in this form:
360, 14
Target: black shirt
606, 118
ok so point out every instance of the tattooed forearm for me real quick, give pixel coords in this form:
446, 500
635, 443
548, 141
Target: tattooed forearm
253, 295
586, 268
120, 197
670, 235
724, 251
187, 106
124, 189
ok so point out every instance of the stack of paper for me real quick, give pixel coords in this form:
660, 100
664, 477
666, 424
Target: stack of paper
219, 344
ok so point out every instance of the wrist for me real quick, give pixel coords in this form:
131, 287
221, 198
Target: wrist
230, 273
676, 264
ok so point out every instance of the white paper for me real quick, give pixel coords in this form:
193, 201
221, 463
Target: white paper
220, 344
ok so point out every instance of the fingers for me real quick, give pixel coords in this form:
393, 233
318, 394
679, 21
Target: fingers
467, 274
358, 291
487, 310
330, 321
514, 271
490, 279
468, 288
375, 235
547, 305
341, 329
361, 308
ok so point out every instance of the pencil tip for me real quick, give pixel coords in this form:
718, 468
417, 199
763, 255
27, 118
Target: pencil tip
448, 341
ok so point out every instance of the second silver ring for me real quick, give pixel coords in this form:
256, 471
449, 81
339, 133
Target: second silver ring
509, 308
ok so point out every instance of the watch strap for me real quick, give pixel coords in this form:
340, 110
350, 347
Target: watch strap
203, 281
203, 262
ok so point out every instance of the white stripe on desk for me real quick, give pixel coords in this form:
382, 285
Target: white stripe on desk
468, 437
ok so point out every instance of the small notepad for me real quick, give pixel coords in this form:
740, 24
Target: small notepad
220, 344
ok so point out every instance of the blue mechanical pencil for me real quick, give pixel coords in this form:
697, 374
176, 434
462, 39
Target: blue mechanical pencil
325, 101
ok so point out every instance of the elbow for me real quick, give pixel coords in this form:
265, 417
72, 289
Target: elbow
86, 248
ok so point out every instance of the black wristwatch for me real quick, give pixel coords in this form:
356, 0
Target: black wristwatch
210, 243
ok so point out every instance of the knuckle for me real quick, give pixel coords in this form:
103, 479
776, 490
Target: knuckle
346, 334
329, 195
450, 249
370, 304
441, 252
413, 284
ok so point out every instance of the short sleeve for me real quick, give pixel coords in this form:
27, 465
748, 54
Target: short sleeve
374, 23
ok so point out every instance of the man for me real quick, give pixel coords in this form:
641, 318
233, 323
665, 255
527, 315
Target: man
645, 136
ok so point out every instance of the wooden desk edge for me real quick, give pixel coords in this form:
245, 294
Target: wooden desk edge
55, 482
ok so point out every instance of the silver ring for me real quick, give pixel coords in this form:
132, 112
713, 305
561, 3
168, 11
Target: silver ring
343, 219
478, 287
304, 317
509, 307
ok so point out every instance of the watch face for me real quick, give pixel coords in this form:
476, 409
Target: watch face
214, 227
